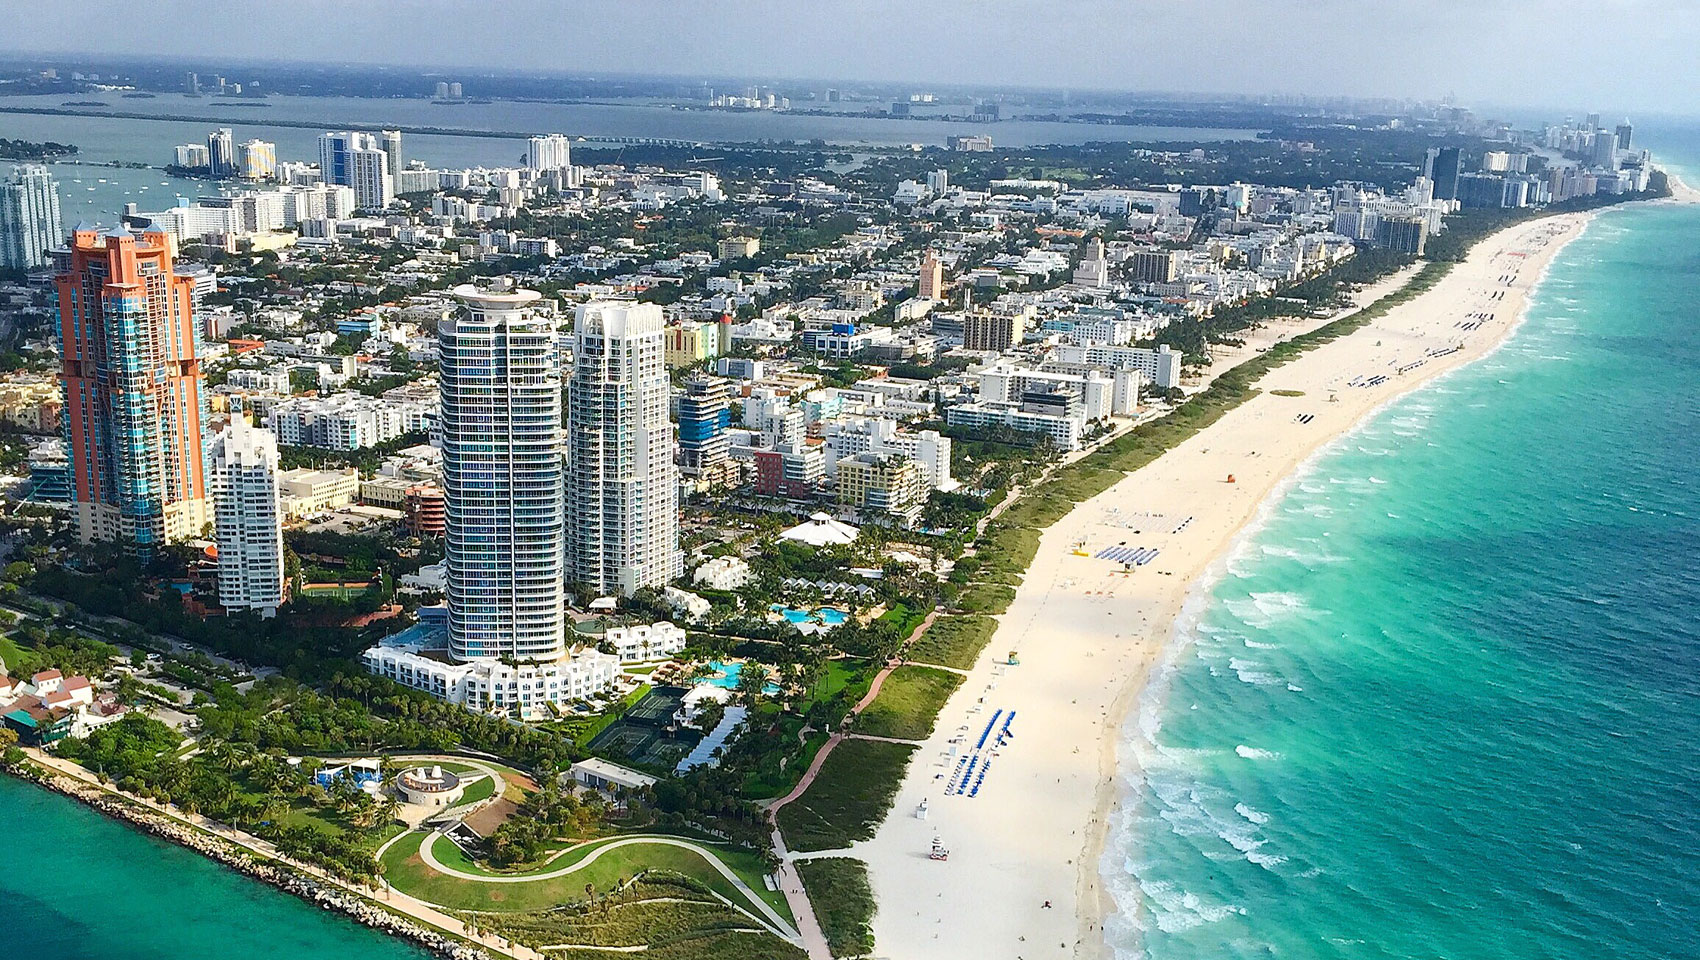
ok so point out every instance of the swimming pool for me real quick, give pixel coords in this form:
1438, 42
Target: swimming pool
826, 616
726, 677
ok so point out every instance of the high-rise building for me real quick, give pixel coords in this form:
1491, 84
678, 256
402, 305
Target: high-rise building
455, 92
1625, 135
442, 90
356, 160
221, 153
191, 84
191, 155
256, 160
932, 277
705, 411
1605, 149
938, 182
29, 218
553, 152
247, 519
1593, 121
390, 141
1441, 166
622, 492
500, 392
369, 169
986, 330
132, 390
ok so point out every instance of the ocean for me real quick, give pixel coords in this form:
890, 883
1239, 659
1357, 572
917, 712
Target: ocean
78, 886
1443, 700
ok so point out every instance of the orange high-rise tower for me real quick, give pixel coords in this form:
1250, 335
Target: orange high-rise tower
132, 391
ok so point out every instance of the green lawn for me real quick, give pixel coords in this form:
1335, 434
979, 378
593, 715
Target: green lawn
19, 662
674, 917
408, 873
849, 798
479, 789
843, 901
954, 641
908, 703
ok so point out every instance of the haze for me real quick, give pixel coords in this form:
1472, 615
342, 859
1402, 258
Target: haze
1613, 54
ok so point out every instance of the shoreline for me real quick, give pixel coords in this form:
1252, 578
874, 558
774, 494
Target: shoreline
278, 875
1185, 486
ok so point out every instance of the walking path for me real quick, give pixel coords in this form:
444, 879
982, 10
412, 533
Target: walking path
774, 920
790, 881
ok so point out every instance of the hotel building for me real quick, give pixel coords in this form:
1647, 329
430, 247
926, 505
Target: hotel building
132, 390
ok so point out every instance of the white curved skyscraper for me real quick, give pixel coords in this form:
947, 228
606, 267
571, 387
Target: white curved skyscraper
622, 485
502, 478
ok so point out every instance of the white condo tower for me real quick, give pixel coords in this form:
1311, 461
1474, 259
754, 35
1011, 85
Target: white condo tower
622, 485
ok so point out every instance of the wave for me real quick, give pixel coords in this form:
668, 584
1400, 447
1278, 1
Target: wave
1255, 753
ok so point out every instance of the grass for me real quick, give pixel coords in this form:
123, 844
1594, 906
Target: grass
404, 868
908, 703
479, 789
844, 903
673, 916
849, 798
987, 598
954, 641
19, 662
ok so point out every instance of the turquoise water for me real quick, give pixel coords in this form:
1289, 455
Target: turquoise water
728, 674
1444, 701
830, 616
77, 886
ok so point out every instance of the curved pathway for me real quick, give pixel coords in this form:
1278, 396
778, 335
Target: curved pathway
790, 881
778, 923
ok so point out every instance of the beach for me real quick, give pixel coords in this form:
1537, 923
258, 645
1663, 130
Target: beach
1022, 878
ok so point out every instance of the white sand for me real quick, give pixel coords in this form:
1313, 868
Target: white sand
1088, 635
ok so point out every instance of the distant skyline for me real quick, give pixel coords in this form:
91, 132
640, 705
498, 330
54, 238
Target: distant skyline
1612, 55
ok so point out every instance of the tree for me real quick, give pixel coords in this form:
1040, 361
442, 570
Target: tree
751, 679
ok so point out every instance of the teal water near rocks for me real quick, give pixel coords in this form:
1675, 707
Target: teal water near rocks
78, 886
1444, 700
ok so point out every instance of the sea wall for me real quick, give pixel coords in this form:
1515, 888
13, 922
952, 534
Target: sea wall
291, 881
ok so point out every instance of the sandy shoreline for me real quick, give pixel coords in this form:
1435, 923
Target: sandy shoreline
1023, 879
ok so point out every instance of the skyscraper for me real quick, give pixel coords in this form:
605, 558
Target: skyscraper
221, 153
356, 160
247, 521
552, 152
705, 411
1625, 135
369, 169
500, 390
390, 140
132, 390
1441, 166
29, 218
622, 494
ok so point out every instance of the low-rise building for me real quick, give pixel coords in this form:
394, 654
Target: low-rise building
646, 642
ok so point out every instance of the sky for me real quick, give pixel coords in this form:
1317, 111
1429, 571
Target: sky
1613, 54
